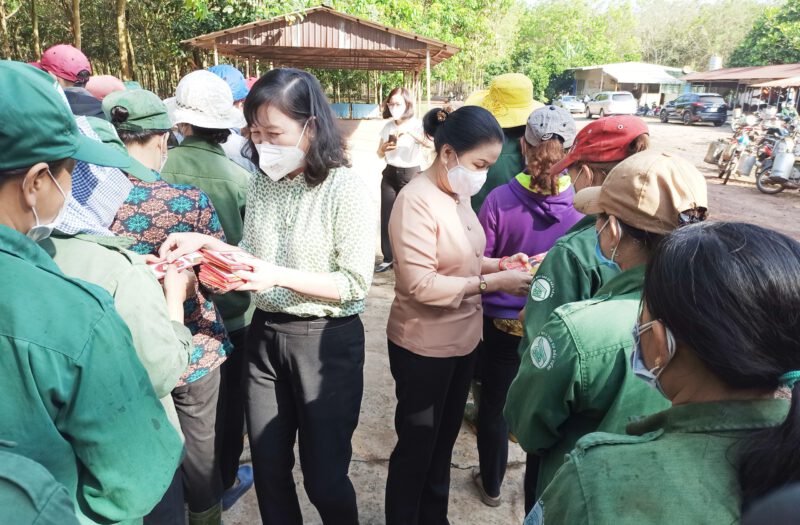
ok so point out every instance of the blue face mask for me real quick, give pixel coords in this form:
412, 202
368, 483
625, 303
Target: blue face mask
605, 261
639, 368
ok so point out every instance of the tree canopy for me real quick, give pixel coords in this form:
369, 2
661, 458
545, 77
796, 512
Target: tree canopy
773, 39
540, 38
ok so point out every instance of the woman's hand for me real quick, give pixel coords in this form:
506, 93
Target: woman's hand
387, 146
178, 286
179, 244
263, 277
514, 282
518, 259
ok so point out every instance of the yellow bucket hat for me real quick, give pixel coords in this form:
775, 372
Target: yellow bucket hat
509, 98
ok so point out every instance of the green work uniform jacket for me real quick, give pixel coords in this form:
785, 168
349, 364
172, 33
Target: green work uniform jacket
575, 378
75, 397
672, 467
509, 164
163, 346
197, 162
569, 273
29, 495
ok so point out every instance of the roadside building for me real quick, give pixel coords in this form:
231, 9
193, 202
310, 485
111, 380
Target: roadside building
649, 83
750, 87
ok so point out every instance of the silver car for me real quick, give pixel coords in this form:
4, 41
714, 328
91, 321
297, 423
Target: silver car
611, 103
570, 103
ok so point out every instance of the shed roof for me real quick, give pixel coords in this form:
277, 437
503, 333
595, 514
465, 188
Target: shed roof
746, 75
321, 37
637, 73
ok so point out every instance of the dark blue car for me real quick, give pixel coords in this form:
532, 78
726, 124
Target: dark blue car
696, 107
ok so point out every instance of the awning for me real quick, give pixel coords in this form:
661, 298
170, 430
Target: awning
637, 73
783, 83
320, 37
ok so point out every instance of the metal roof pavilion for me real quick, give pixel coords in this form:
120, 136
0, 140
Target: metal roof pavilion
322, 38
636, 73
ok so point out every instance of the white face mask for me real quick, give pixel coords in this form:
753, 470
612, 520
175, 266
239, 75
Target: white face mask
278, 161
465, 182
397, 112
43, 231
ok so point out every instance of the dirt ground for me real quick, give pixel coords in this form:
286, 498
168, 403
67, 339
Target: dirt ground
375, 438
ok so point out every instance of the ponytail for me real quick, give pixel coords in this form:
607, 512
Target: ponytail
540, 159
769, 458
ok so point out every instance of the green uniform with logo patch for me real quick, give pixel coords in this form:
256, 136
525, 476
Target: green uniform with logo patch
575, 378
570, 272
673, 467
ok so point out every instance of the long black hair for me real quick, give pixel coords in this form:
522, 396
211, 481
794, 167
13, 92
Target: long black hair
463, 129
730, 292
299, 95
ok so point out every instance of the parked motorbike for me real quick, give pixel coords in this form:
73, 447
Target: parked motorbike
782, 171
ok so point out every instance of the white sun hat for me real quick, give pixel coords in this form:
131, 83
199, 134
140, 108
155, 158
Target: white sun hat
203, 99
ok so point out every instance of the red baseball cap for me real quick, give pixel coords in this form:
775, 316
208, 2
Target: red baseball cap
604, 140
67, 62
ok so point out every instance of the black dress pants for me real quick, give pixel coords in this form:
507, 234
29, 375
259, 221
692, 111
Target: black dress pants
499, 363
431, 394
231, 408
304, 377
393, 181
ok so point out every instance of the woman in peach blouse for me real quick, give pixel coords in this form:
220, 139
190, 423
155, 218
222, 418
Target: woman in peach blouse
435, 322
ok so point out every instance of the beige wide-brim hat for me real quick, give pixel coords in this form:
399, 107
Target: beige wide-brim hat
204, 100
648, 191
509, 98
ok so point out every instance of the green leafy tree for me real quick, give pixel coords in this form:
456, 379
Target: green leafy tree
555, 36
774, 38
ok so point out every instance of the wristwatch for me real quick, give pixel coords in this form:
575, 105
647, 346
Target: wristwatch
482, 284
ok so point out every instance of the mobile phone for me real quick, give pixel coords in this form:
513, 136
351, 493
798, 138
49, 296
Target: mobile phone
392, 139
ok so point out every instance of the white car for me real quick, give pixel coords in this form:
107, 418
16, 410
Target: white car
570, 103
611, 103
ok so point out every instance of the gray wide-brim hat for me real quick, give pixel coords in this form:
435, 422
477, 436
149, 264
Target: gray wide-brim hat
203, 99
545, 122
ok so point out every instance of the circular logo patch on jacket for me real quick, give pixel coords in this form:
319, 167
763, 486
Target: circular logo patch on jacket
541, 289
542, 352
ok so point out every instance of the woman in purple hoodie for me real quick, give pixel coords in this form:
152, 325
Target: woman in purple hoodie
527, 215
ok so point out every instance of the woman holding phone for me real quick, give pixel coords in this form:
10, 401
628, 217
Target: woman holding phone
401, 145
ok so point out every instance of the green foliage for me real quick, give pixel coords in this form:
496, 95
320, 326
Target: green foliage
773, 39
555, 36
688, 33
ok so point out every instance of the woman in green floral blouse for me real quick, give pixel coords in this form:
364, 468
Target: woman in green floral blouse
311, 224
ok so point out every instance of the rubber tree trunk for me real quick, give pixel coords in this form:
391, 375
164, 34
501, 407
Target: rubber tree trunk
37, 43
122, 40
76, 23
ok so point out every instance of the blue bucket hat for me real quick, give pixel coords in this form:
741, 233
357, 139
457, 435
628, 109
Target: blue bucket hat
234, 78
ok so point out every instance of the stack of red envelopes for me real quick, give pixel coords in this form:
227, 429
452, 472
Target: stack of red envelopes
217, 270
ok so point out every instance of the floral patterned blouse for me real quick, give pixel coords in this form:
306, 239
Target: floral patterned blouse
152, 211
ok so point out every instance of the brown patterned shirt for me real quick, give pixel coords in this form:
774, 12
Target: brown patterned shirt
151, 212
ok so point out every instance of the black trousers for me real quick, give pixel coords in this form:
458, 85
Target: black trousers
531, 480
431, 394
393, 181
303, 378
231, 408
499, 363
169, 511
196, 404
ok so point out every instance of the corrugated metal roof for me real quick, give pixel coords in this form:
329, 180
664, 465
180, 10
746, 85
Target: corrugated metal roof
746, 74
323, 38
637, 73
782, 83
